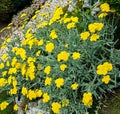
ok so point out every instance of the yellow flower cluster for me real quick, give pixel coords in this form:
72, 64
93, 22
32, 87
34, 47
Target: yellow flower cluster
70, 21
12, 80
49, 47
56, 16
106, 79
47, 70
19, 51
103, 70
63, 67
84, 35
1, 65
93, 27
46, 97
76, 55
3, 105
3, 82
53, 34
48, 81
87, 99
31, 40
31, 94
4, 57
63, 55
74, 86
59, 82
56, 107
15, 107
105, 8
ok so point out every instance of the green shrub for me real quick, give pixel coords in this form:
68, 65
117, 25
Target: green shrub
69, 62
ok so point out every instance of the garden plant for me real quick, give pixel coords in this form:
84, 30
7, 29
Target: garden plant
68, 62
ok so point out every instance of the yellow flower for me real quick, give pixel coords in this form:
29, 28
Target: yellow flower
63, 55
14, 83
37, 11
53, 34
1, 65
8, 63
31, 59
49, 47
14, 60
56, 15
23, 15
4, 73
8, 40
34, 17
99, 26
23, 69
94, 37
3, 105
95, 26
20, 51
56, 107
12, 71
47, 70
18, 65
3, 82
38, 93
87, 99
31, 95
59, 82
63, 67
102, 15
103, 69
74, 86
76, 55
48, 81
4, 57
66, 20
106, 79
13, 91
70, 25
24, 91
43, 24
15, 108
84, 35
74, 19
46, 97
38, 53
105, 7
40, 42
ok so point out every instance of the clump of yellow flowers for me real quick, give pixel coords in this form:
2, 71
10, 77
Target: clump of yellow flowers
66, 62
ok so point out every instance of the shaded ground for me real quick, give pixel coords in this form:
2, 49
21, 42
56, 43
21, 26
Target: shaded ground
3, 24
111, 105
